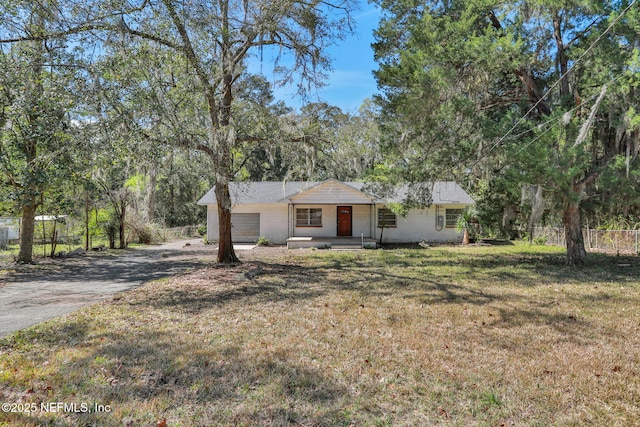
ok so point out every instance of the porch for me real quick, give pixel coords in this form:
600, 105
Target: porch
331, 242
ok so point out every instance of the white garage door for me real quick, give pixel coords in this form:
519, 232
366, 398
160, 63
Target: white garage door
245, 227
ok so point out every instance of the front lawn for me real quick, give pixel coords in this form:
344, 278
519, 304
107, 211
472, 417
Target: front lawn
501, 335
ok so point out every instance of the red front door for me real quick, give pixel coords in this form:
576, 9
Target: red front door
344, 221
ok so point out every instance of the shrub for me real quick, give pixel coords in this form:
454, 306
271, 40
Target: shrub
202, 230
263, 241
111, 229
143, 232
540, 241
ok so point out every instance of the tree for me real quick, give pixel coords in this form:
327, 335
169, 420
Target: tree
465, 224
215, 38
319, 142
474, 90
343, 146
35, 142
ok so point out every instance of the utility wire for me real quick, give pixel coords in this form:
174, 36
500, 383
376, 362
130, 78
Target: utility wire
552, 122
615, 21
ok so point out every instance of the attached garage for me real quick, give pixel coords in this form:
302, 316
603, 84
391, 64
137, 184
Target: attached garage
293, 209
245, 227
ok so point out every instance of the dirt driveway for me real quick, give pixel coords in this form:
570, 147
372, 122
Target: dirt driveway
34, 293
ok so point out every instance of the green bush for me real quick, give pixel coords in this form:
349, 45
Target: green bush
540, 241
202, 230
263, 241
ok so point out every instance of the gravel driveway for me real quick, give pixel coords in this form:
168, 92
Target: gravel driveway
35, 293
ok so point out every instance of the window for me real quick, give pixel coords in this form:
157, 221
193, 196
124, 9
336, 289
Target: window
309, 217
452, 216
386, 218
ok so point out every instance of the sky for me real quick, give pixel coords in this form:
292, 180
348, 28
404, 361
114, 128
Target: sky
351, 80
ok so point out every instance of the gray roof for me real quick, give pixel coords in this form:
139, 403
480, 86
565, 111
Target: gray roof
442, 192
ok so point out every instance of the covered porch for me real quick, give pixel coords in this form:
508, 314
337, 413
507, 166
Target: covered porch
331, 242
331, 214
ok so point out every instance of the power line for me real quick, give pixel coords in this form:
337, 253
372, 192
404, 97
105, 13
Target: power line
615, 21
551, 122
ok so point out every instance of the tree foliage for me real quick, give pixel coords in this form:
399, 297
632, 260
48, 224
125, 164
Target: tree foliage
495, 93
191, 58
36, 143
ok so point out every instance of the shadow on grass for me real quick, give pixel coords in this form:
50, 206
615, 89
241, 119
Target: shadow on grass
250, 283
46, 334
599, 268
253, 379
527, 268
262, 282
400, 273
148, 375
127, 266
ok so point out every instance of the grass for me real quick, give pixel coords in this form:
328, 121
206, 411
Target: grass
446, 335
42, 251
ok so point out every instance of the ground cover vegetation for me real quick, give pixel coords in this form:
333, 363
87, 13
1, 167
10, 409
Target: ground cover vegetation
476, 335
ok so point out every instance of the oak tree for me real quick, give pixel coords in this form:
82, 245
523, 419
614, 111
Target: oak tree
542, 92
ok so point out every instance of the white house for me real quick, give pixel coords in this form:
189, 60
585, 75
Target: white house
11, 226
316, 212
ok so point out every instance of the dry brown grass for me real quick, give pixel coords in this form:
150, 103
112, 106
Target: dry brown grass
452, 336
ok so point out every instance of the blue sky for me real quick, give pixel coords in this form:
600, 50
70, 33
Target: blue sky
351, 80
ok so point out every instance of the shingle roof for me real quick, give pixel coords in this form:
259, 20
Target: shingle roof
442, 192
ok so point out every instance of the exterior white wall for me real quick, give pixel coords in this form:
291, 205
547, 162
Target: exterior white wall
360, 221
329, 222
13, 224
212, 223
273, 220
274, 223
420, 224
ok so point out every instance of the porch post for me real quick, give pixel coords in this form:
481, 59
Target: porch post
372, 221
291, 219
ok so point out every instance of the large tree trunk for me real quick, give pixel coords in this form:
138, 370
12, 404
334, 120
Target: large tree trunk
561, 57
26, 233
226, 139
226, 253
576, 253
465, 236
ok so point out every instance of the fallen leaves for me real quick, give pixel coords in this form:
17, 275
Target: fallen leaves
443, 413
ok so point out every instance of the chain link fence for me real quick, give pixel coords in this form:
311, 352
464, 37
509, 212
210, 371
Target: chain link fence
616, 241
167, 234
